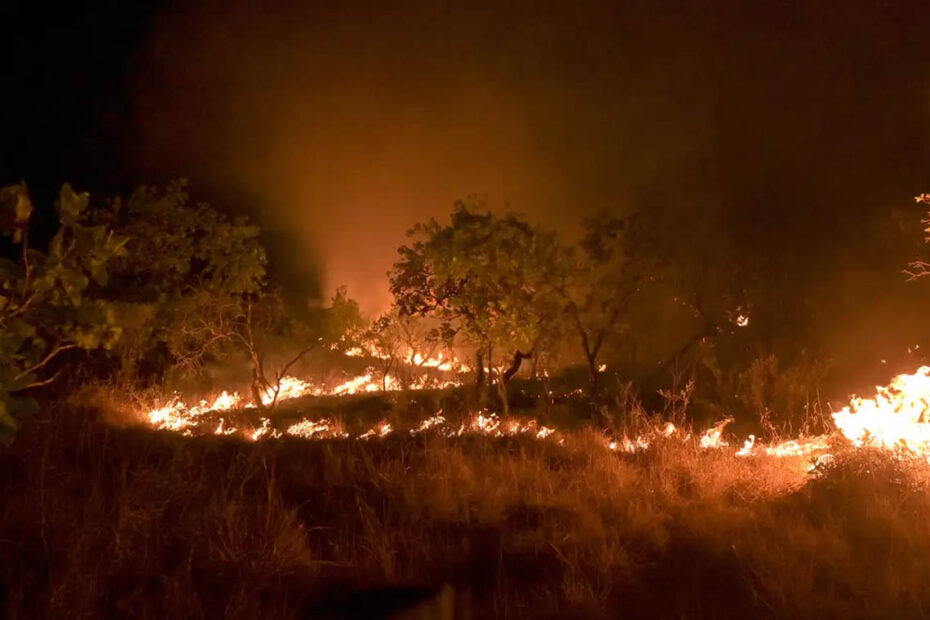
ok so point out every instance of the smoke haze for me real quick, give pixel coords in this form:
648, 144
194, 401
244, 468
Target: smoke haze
792, 134
347, 126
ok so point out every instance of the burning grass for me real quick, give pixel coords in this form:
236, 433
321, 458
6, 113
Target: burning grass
895, 419
97, 520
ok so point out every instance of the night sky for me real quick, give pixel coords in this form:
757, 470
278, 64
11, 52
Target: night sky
795, 133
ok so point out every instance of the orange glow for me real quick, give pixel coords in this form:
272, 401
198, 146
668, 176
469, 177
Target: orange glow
897, 418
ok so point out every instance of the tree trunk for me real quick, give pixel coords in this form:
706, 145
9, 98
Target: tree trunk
479, 374
502, 392
592, 350
592, 371
518, 358
258, 384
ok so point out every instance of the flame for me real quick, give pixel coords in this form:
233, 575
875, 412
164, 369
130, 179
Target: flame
713, 437
319, 429
430, 422
178, 417
362, 383
896, 418
383, 429
289, 387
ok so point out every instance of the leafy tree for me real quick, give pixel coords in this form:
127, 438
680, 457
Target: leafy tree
615, 259
182, 257
178, 247
705, 274
342, 323
492, 280
47, 304
194, 286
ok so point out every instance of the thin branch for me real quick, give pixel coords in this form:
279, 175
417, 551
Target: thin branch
36, 384
917, 269
45, 360
279, 376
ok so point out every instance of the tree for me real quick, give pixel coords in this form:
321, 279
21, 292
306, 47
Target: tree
704, 273
182, 257
255, 325
614, 260
342, 323
402, 345
47, 303
176, 247
492, 280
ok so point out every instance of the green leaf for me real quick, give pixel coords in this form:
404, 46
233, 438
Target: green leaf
23, 208
15, 210
71, 205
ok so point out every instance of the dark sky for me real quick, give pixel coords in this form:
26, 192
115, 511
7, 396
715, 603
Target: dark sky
798, 130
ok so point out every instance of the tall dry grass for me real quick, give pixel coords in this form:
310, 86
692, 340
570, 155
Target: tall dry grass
97, 521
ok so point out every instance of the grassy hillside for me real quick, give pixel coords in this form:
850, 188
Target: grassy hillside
97, 521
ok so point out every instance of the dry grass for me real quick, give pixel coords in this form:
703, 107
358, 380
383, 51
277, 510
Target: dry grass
98, 521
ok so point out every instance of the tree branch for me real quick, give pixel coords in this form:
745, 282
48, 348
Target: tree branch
58, 348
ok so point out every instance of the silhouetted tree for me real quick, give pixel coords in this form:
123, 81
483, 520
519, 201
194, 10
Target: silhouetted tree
614, 260
182, 259
492, 280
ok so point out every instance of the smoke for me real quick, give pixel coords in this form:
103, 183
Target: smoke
797, 132
343, 127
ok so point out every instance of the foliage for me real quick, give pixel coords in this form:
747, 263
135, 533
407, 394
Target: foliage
181, 258
709, 279
782, 394
614, 261
46, 301
209, 324
342, 323
493, 280
177, 247
193, 286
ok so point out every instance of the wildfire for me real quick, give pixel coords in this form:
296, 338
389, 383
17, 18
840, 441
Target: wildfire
178, 417
897, 418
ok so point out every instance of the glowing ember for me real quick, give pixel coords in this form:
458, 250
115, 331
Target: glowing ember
431, 422
320, 429
381, 430
265, 431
